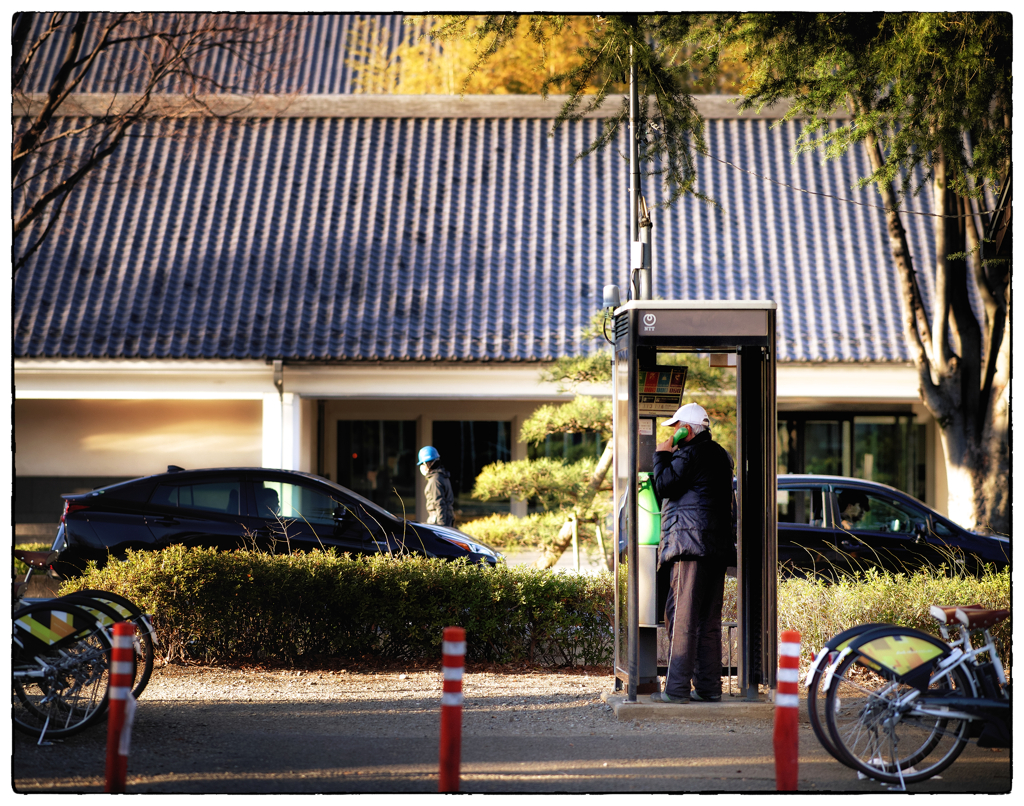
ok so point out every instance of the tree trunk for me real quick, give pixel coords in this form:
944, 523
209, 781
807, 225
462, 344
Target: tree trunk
552, 553
970, 404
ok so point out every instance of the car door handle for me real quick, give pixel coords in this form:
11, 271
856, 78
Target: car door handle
166, 520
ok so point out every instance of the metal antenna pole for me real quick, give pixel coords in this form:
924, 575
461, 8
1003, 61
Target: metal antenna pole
636, 261
639, 220
635, 249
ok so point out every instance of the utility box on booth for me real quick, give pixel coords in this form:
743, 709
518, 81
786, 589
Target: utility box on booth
648, 389
648, 538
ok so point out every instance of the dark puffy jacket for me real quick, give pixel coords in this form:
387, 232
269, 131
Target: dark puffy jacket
695, 486
440, 498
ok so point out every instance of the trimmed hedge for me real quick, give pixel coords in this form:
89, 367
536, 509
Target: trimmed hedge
245, 605
249, 606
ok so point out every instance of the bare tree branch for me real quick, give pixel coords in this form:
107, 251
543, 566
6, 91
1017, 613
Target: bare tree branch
149, 55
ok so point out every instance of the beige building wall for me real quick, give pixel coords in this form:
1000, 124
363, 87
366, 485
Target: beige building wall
134, 437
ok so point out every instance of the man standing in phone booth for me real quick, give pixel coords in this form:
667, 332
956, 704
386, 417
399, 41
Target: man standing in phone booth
693, 478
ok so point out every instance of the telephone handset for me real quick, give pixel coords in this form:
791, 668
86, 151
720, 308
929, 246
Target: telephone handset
680, 435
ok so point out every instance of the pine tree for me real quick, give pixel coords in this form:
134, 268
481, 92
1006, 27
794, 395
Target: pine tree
574, 494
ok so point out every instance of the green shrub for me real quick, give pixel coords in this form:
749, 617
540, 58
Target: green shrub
819, 610
246, 605
510, 533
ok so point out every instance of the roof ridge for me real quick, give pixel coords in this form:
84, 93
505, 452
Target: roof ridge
351, 105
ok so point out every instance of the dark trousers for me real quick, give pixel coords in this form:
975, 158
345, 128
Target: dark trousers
693, 621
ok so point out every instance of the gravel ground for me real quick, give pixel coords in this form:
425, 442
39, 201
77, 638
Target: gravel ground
210, 730
196, 724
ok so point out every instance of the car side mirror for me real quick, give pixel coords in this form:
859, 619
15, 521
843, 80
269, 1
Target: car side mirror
340, 514
920, 531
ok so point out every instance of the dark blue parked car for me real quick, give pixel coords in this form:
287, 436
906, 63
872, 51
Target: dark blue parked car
834, 525
829, 523
229, 508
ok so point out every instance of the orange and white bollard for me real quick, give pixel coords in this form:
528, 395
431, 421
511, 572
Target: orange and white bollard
121, 709
787, 713
453, 654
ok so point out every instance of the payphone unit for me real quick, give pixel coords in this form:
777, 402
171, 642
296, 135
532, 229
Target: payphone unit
646, 390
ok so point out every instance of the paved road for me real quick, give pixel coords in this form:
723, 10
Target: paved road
300, 746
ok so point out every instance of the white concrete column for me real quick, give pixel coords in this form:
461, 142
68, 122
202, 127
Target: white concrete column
282, 424
272, 439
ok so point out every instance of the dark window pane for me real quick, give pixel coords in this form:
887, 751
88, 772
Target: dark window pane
377, 459
216, 496
890, 450
887, 448
466, 446
823, 447
800, 506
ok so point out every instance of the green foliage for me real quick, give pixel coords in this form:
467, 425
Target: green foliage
537, 530
581, 414
244, 605
556, 485
915, 81
431, 65
819, 610
672, 130
569, 372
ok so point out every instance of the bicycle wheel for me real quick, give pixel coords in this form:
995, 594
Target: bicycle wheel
143, 639
887, 729
816, 697
60, 663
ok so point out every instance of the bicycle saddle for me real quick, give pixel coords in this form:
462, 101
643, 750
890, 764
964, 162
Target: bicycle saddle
980, 619
946, 614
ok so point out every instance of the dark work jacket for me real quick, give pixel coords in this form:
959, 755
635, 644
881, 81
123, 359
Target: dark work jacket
440, 498
694, 484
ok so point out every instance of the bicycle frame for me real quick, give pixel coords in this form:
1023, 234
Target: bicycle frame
913, 682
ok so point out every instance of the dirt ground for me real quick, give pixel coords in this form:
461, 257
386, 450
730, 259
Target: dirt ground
247, 730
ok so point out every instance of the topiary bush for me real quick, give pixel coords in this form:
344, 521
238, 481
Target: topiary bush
246, 605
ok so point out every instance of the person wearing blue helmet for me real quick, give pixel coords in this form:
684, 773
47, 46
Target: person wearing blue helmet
440, 498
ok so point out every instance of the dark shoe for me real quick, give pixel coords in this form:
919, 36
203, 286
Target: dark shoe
661, 696
698, 698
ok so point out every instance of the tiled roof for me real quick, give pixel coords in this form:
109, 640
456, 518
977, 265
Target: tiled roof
314, 53
447, 239
439, 237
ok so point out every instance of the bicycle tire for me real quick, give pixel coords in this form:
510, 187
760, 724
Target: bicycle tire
145, 651
886, 742
60, 670
815, 696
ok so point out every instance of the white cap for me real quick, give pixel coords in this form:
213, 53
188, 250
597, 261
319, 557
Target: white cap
690, 413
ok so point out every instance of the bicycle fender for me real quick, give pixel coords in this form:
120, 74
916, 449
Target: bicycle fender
837, 641
906, 653
833, 666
